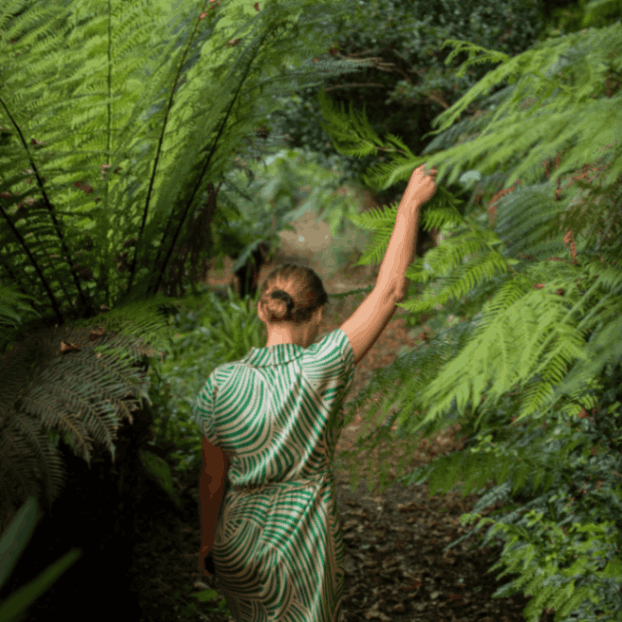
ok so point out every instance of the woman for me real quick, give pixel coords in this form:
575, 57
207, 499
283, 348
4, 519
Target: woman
271, 422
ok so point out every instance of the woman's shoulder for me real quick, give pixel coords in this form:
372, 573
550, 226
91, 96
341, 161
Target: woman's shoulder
328, 344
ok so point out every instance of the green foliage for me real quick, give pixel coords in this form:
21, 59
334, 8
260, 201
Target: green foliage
12, 543
409, 82
160, 472
584, 14
541, 353
10, 301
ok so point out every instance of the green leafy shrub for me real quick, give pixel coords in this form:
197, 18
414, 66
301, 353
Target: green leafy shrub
12, 543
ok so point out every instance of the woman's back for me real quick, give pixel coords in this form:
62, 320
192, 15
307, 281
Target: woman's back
277, 415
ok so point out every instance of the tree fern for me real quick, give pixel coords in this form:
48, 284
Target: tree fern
113, 133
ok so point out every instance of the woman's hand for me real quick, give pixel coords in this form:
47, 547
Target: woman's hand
206, 563
421, 187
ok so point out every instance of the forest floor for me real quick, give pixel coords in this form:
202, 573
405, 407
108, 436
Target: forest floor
395, 568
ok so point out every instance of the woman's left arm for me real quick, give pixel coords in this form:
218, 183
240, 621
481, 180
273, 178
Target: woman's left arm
211, 488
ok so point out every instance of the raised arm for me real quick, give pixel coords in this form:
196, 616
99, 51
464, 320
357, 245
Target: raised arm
401, 250
364, 326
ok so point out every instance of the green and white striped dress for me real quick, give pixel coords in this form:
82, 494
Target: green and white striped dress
276, 413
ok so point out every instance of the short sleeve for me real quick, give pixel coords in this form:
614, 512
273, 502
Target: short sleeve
203, 411
330, 362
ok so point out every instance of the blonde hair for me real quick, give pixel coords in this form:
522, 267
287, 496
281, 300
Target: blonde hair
292, 293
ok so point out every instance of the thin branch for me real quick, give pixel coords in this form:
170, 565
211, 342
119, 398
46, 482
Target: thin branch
406, 76
389, 67
355, 53
345, 86
435, 98
377, 61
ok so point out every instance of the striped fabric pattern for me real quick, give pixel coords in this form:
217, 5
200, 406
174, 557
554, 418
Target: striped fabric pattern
276, 413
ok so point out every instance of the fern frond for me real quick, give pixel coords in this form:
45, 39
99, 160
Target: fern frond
28, 465
82, 381
442, 217
480, 470
470, 126
525, 561
10, 299
488, 56
381, 222
519, 326
579, 595
541, 594
353, 134
550, 120
443, 476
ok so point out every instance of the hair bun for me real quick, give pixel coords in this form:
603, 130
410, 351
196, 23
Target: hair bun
305, 293
279, 294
